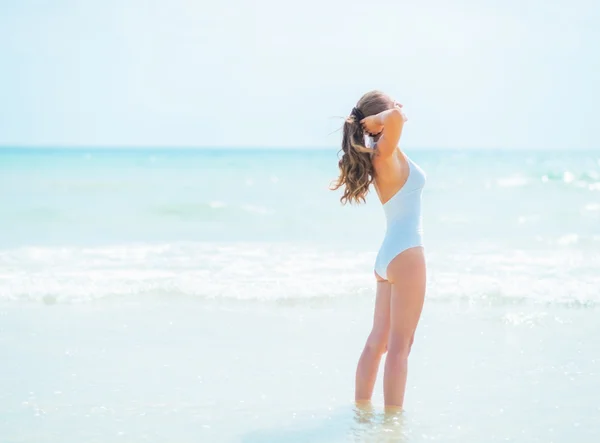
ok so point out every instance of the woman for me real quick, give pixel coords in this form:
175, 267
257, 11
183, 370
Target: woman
371, 156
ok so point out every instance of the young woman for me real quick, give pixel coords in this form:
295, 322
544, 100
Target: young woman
370, 155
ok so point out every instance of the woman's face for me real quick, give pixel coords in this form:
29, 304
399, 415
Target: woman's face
395, 104
398, 105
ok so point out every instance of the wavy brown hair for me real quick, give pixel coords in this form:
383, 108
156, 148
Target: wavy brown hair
356, 169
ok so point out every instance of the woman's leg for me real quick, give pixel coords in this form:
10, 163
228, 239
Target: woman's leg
376, 344
407, 274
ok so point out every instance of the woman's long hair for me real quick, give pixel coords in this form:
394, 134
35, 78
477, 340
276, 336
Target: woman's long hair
356, 168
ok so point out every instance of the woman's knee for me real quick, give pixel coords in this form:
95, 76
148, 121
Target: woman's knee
400, 346
377, 343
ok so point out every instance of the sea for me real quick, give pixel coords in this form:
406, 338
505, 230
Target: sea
225, 295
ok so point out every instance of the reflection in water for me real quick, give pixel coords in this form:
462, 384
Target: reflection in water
361, 424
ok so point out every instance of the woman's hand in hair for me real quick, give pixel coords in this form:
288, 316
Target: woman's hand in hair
391, 122
372, 124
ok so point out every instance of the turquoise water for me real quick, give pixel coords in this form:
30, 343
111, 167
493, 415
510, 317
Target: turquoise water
224, 295
208, 222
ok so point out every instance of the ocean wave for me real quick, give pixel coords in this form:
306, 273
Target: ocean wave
190, 210
208, 210
568, 239
512, 182
570, 177
83, 185
286, 273
588, 179
585, 180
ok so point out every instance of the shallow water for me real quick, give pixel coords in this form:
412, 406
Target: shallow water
224, 296
182, 370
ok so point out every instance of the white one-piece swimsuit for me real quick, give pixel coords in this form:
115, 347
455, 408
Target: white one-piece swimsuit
403, 218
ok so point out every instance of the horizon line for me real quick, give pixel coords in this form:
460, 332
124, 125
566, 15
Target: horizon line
277, 148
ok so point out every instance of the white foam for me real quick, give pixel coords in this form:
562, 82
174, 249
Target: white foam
568, 239
512, 182
568, 177
267, 272
524, 318
287, 272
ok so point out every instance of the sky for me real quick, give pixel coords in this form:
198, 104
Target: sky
471, 74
